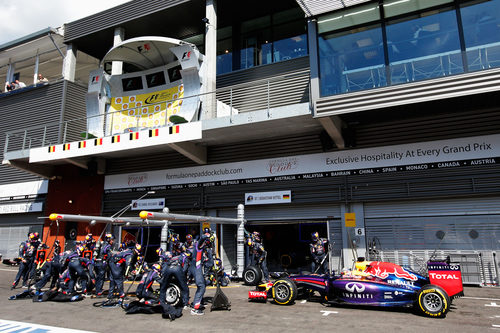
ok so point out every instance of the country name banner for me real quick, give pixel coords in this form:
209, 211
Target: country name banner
409, 157
119, 142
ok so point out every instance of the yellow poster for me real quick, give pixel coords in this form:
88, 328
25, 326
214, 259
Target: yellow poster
350, 219
136, 112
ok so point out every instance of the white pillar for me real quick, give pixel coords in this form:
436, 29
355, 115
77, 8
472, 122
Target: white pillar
240, 240
69, 66
117, 66
37, 62
209, 77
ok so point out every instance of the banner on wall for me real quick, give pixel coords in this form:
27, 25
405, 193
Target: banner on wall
410, 157
131, 113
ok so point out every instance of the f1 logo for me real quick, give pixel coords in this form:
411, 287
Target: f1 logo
95, 79
186, 55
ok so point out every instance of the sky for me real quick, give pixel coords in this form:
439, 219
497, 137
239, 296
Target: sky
19, 18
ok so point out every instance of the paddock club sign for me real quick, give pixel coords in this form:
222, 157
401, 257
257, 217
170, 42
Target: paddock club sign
452, 153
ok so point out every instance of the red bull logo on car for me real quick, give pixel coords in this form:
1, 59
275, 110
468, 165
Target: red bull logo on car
382, 270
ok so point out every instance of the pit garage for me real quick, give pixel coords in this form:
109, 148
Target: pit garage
410, 232
286, 233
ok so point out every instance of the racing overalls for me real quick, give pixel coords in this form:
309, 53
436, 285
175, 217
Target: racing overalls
319, 250
260, 254
25, 253
145, 287
117, 265
196, 268
77, 268
100, 266
51, 269
174, 266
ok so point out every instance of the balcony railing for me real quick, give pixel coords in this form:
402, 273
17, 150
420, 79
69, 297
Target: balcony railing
257, 96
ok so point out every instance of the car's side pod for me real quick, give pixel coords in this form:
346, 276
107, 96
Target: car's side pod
446, 275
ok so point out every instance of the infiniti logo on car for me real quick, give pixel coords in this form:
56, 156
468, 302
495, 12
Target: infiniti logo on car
355, 287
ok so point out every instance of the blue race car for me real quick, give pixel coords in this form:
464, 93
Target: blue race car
374, 283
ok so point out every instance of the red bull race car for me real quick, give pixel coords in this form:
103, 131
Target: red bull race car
374, 283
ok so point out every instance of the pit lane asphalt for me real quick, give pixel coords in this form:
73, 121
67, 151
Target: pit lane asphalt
478, 311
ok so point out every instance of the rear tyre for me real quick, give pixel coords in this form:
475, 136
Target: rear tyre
284, 291
252, 275
433, 301
173, 295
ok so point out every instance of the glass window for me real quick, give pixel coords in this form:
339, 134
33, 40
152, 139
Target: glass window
224, 50
350, 61
155, 79
349, 18
398, 7
174, 73
132, 83
481, 22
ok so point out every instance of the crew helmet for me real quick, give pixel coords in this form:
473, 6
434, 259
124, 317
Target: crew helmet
315, 236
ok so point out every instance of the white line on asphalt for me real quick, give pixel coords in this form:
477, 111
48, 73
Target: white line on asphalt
8, 325
493, 304
496, 325
326, 313
483, 298
304, 301
8, 270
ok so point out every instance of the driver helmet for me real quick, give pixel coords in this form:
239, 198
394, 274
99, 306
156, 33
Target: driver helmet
108, 236
256, 236
79, 250
168, 255
175, 238
315, 236
89, 238
137, 249
34, 236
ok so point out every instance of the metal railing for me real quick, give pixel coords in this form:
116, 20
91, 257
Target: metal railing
258, 95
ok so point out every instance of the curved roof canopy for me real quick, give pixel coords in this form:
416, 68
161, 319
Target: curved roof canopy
144, 52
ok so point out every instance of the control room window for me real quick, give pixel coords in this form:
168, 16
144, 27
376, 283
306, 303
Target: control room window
132, 83
155, 79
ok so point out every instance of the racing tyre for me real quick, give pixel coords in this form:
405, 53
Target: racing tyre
252, 275
78, 283
433, 301
284, 291
173, 295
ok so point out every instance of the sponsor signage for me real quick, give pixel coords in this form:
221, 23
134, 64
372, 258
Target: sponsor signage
146, 204
266, 198
25, 207
453, 153
26, 190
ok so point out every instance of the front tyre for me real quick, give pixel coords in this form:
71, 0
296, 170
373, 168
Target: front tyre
284, 291
433, 301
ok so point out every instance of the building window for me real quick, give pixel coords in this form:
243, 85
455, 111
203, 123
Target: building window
396, 42
481, 22
424, 46
261, 41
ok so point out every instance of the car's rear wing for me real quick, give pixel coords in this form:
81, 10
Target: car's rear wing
446, 275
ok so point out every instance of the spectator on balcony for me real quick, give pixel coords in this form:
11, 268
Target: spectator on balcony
41, 79
8, 87
20, 84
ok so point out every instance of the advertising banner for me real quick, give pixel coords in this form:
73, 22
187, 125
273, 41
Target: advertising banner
408, 157
145, 110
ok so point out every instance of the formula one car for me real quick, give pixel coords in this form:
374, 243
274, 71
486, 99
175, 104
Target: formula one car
374, 283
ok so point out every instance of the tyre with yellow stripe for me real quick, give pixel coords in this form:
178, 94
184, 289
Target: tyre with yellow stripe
284, 291
433, 301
